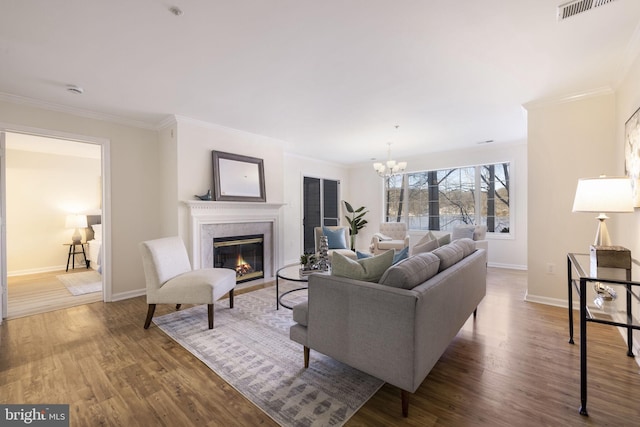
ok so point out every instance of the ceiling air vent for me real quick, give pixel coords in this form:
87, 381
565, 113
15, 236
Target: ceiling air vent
575, 7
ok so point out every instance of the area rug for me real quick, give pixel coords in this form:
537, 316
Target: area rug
82, 283
250, 349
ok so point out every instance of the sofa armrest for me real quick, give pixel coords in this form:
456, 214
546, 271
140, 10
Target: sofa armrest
364, 325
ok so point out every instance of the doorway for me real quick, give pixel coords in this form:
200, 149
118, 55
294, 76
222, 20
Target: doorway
49, 179
320, 207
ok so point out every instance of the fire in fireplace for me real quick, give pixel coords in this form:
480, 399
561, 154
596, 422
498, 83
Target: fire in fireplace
244, 254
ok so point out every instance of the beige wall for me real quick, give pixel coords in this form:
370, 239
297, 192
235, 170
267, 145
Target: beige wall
41, 190
567, 140
134, 195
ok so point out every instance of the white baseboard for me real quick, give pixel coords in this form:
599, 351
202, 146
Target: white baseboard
507, 266
556, 302
36, 270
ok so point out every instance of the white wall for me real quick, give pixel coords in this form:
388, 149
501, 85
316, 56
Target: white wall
504, 251
568, 140
135, 192
195, 142
41, 190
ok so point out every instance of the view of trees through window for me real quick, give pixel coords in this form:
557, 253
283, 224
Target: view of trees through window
442, 199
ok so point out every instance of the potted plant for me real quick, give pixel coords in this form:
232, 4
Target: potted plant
356, 221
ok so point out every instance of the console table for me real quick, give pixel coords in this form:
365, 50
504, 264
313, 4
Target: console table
619, 312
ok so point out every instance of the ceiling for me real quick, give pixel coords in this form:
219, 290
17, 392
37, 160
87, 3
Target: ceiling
330, 78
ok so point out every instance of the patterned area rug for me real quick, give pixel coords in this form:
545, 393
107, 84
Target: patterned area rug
250, 348
82, 283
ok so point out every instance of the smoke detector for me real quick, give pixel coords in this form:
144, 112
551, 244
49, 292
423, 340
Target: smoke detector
75, 89
575, 7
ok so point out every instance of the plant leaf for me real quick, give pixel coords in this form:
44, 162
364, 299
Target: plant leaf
348, 206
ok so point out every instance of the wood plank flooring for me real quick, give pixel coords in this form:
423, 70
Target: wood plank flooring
511, 366
42, 292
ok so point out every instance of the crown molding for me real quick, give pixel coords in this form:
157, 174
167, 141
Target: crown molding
31, 102
545, 102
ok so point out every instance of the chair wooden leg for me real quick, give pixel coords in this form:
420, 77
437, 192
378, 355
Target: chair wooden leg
475, 313
404, 395
152, 308
210, 311
231, 298
307, 351
178, 306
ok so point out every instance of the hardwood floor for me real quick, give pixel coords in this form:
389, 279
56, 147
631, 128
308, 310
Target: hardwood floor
511, 366
42, 292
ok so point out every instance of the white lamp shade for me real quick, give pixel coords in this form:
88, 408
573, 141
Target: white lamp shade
76, 221
603, 194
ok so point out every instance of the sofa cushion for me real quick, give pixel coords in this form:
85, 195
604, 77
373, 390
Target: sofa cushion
468, 246
449, 255
301, 313
367, 269
411, 272
362, 255
335, 238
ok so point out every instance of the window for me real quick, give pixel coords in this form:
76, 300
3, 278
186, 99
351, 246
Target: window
442, 199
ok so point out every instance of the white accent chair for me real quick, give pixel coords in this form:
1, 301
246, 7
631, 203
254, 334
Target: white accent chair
347, 241
170, 279
392, 235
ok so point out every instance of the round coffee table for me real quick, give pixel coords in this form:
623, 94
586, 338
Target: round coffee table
291, 273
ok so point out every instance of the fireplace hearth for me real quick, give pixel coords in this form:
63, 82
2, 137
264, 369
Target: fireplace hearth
244, 254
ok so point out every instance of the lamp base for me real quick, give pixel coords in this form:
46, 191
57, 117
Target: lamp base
76, 239
602, 235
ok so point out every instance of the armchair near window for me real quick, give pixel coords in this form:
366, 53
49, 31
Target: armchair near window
392, 235
338, 237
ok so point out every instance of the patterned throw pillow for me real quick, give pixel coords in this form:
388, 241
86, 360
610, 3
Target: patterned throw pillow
335, 238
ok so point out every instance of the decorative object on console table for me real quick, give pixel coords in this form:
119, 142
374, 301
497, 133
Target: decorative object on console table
603, 194
608, 262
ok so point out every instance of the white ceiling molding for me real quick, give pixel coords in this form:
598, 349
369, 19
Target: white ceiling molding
30, 102
568, 98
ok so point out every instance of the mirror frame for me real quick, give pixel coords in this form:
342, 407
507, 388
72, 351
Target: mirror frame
221, 181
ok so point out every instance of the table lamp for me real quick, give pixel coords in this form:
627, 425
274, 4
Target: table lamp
603, 194
76, 222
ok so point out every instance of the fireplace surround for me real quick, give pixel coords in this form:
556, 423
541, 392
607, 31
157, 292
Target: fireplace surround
212, 219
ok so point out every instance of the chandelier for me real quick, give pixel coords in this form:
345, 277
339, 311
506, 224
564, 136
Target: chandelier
390, 167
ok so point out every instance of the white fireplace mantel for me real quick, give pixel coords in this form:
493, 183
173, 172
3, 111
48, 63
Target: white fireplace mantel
204, 214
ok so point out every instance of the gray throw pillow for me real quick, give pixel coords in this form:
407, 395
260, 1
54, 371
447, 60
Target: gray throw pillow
411, 272
367, 269
449, 255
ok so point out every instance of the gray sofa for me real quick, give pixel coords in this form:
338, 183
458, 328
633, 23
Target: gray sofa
389, 332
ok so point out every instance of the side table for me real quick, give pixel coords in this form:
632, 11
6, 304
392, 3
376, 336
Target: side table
73, 252
621, 309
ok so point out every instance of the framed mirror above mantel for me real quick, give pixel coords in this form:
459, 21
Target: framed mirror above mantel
237, 178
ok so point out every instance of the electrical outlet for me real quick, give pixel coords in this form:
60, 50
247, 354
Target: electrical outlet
551, 268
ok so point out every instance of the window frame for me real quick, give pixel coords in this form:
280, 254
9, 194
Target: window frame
478, 216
